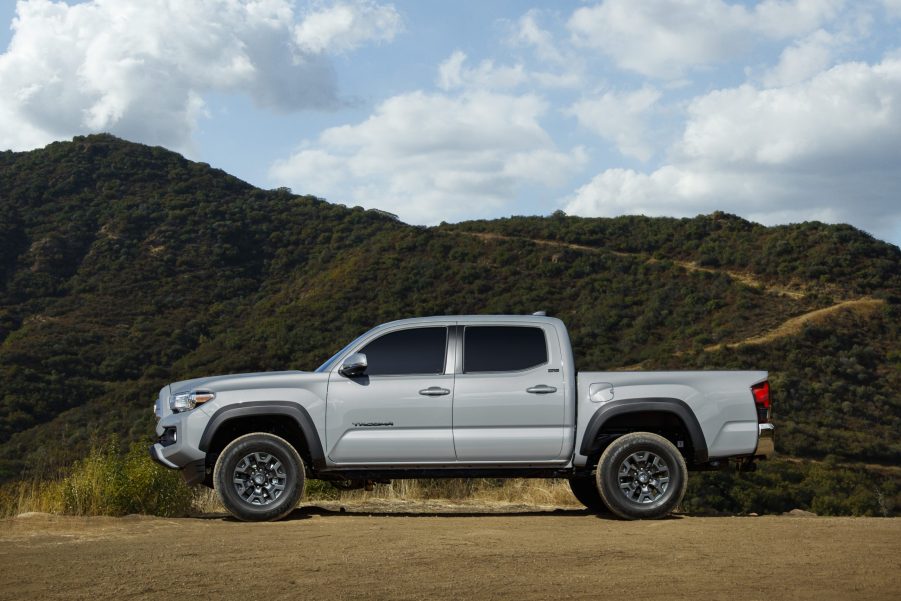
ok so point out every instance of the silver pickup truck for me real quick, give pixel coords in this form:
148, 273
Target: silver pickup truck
457, 397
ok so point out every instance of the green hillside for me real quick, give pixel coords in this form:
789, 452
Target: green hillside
124, 267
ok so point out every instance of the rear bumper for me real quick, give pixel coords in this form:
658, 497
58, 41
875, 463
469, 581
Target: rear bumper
766, 441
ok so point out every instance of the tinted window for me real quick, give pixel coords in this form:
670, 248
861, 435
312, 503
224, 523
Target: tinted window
416, 351
503, 348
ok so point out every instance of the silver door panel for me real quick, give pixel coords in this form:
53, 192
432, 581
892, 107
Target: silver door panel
392, 445
506, 444
385, 418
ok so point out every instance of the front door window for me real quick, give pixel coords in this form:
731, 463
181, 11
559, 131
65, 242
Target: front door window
417, 351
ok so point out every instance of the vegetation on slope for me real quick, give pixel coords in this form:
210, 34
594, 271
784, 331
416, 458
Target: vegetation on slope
124, 267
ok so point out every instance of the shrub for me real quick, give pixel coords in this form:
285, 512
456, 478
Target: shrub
106, 482
826, 488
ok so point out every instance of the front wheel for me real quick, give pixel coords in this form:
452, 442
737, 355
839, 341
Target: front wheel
642, 476
259, 477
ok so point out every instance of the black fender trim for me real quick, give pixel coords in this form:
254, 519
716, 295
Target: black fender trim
677, 407
262, 408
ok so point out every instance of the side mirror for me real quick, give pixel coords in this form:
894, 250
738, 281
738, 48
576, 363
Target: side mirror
355, 365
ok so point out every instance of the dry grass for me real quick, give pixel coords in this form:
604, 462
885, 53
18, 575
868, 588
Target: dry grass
24, 497
111, 482
519, 491
106, 482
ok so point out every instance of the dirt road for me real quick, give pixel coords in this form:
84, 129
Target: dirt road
374, 552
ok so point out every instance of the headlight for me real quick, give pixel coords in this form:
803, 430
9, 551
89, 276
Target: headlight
185, 401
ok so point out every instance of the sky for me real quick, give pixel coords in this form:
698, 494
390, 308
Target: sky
779, 111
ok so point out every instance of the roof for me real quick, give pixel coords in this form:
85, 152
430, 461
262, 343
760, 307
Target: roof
531, 319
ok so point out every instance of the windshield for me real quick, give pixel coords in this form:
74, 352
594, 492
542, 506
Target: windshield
331, 360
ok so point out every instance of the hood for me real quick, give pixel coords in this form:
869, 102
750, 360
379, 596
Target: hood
263, 379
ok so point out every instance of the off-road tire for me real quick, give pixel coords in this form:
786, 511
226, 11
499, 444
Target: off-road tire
267, 445
585, 489
620, 468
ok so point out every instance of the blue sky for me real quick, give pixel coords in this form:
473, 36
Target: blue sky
779, 111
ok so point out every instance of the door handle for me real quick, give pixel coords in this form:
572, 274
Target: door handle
541, 389
434, 391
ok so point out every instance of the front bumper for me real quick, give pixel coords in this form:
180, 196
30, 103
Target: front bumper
158, 457
193, 472
178, 441
766, 441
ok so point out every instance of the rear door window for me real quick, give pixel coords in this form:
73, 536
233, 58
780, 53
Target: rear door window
503, 348
407, 352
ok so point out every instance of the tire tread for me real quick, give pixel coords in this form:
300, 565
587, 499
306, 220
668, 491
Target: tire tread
625, 443
238, 510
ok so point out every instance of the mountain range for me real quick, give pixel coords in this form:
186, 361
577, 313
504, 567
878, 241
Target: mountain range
124, 267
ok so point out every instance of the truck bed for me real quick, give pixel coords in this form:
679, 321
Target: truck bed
720, 401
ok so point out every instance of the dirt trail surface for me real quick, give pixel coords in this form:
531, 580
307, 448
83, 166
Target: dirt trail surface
745, 278
416, 551
793, 326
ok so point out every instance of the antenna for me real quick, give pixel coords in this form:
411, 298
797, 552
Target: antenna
540, 313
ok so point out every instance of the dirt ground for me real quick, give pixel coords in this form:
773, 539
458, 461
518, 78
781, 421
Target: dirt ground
421, 550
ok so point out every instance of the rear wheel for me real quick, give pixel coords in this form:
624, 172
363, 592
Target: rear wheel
642, 476
259, 477
585, 489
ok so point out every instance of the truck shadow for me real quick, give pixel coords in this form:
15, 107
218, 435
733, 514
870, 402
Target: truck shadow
307, 512
303, 512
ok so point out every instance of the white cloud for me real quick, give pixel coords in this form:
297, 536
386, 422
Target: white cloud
803, 59
781, 19
560, 66
620, 117
530, 33
452, 73
430, 157
140, 68
347, 25
572, 79
664, 38
849, 115
892, 7
827, 148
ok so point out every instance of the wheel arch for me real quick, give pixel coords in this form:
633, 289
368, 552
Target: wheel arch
286, 419
620, 412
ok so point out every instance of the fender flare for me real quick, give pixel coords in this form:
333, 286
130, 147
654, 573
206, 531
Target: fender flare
677, 407
263, 408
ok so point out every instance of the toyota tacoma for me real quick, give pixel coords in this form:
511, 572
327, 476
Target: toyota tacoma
458, 397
